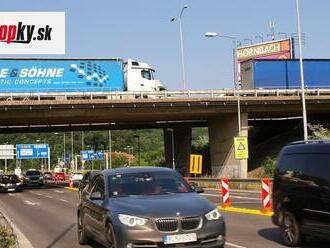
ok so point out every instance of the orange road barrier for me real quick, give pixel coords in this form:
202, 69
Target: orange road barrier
265, 195
70, 183
225, 192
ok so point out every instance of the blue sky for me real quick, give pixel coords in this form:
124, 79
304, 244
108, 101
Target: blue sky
140, 29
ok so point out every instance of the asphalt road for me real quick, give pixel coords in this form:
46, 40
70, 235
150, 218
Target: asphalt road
47, 217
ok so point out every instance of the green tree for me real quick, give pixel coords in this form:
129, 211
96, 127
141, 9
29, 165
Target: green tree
319, 131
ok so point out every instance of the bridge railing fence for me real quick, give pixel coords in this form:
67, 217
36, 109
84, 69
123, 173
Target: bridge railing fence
177, 94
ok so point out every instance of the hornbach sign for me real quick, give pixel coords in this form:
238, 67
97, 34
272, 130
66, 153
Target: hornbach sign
263, 49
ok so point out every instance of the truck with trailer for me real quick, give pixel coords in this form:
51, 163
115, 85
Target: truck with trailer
285, 74
50, 76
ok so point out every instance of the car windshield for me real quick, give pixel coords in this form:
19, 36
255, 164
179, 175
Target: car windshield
156, 183
9, 179
33, 173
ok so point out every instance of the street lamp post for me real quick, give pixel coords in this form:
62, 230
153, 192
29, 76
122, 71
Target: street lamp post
172, 139
302, 73
234, 39
63, 145
139, 150
110, 148
72, 148
181, 45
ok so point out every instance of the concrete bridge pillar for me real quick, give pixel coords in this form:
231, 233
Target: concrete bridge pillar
221, 134
180, 137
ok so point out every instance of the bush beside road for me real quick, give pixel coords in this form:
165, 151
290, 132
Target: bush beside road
7, 236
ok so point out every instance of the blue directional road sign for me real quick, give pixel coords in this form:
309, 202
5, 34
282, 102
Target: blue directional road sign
99, 155
87, 155
30, 151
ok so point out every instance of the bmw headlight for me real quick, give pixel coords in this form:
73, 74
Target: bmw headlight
41, 178
131, 221
2, 185
213, 215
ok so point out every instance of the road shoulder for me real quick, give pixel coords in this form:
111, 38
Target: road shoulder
22, 240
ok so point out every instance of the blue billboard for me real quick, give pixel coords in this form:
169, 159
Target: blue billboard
87, 155
61, 75
30, 151
91, 155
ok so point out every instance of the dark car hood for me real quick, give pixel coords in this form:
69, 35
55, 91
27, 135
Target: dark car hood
187, 204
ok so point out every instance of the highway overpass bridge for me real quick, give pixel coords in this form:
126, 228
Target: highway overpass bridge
175, 111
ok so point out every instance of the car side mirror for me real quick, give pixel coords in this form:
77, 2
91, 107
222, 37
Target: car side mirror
199, 190
196, 188
95, 196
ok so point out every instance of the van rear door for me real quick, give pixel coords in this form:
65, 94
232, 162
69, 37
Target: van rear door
317, 191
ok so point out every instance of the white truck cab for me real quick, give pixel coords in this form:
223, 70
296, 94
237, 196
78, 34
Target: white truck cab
140, 77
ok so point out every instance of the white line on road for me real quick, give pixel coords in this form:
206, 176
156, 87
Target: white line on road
234, 196
10, 194
245, 202
48, 196
32, 203
63, 200
233, 245
58, 191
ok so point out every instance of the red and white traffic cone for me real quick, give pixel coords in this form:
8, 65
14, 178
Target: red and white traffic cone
225, 192
70, 183
265, 195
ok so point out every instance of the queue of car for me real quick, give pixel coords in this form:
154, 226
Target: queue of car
115, 205
34, 178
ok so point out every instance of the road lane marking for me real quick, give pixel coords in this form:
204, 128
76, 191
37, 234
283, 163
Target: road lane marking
234, 245
59, 191
10, 194
72, 189
236, 190
244, 202
63, 200
32, 203
234, 196
48, 196
246, 211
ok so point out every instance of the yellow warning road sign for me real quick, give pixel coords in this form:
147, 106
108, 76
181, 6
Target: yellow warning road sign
196, 164
241, 148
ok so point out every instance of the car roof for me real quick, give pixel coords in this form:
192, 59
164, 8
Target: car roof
311, 146
127, 170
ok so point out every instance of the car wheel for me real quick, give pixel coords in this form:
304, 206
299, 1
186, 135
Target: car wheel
82, 235
111, 237
290, 230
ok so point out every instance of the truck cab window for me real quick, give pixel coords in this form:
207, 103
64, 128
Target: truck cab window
146, 74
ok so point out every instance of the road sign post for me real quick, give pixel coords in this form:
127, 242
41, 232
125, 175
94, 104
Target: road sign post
48, 159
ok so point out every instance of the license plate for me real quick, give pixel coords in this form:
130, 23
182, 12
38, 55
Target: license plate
180, 238
11, 190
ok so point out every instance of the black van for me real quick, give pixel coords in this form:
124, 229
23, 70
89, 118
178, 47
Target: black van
301, 191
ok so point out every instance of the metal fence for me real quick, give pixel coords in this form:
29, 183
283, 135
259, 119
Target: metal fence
180, 94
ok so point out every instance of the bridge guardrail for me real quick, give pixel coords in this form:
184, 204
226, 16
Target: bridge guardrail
180, 94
